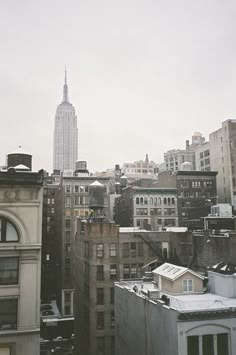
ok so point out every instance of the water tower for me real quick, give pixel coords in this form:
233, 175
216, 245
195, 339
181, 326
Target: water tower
96, 199
19, 160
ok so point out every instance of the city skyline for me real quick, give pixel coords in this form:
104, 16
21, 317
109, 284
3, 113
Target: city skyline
145, 75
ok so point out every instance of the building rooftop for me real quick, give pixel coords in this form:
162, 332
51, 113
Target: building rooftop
172, 272
181, 303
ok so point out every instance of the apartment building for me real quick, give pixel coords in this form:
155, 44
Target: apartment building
21, 201
105, 253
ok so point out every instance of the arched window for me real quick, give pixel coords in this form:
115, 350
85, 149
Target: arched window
151, 200
159, 201
168, 200
165, 201
141, 200
137, 200
8, 232
145, 200
155, 201
173, 201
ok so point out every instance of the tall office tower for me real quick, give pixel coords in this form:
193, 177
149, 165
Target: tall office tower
65, 145
223, 159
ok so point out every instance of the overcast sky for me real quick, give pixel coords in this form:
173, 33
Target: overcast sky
143, 75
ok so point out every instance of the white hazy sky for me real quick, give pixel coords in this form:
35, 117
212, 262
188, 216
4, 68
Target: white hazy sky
143, 75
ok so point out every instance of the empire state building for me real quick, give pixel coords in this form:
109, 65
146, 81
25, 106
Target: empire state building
65, 142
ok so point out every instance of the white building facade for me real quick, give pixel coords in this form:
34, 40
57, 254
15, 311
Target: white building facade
21, 200
65, 144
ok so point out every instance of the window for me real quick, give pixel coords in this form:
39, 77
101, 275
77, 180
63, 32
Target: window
173, 201
193, 345
126, 271
208, 344
100, 320
222, 344
125, 250
112, 295
140, 249
8, 314
133, 271
165, 201
113, 249
9, 271
132, 249
141, 200
145, 200
100, 346
187, 285
8, 232
67, 223
76, 188
67, 188
68, 201
99, 250
112, 319
137, 200
151, 200
100, 296
100, 272
141, 211
113, 272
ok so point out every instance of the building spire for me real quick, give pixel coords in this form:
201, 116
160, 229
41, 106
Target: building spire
65, 89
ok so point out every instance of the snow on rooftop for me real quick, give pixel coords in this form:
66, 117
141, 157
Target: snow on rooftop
205, 301
96, 183
22, 167
172, 272
131, 229
176, 229
182, 303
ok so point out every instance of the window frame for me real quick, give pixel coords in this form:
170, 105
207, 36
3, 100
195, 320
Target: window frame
3, 230
14, 327
16, 278
186, 285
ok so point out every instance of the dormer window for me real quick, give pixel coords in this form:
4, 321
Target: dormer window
8, 232
188, 285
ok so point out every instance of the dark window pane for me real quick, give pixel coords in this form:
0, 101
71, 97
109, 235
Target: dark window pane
8, 271
100, 346
8, 314
193, 345
100, 273
100, 296
222, 344
208, 346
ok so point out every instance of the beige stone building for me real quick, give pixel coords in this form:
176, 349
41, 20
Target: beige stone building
21, 195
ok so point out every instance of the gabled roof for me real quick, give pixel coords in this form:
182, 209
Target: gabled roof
173, 272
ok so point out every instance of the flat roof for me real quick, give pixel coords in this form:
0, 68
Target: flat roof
182, 303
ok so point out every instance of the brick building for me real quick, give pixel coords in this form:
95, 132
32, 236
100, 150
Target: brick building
104, 254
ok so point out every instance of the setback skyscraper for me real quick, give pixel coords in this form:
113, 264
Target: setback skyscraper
65, 144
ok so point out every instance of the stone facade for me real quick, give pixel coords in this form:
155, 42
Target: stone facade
21, 197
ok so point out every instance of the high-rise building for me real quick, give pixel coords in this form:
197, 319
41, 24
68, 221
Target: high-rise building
223, 158
65, 145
